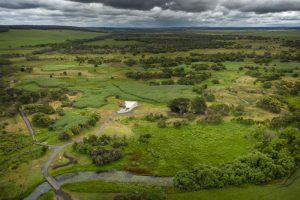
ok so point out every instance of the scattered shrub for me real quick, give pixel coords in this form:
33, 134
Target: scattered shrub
64, 136
198, 106
270, 104
213, 119
42, 120
218, 109
145, 138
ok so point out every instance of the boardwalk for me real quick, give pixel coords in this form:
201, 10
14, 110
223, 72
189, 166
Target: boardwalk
29, 127
51, 182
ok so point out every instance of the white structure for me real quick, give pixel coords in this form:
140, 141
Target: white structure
128, 106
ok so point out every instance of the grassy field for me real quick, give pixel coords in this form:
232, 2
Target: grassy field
173, 149
166, 152
16, 38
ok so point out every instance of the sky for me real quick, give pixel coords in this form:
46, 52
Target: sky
151, 13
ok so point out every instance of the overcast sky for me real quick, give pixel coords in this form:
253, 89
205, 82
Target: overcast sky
151, 13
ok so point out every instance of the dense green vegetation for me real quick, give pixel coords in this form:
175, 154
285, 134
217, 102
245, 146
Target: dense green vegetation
218, 109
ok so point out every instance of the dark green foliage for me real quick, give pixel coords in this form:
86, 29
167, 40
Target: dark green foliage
58, 95
104, 156
76, 129
185, 180
198, 106
42, 120
96, 148
213, 119
179, 123
245, 121
215, 81
64, 136
180, 105
152, 117
218, 67
199, 67
168, 82
210, 97
161, 123
130, 62
145, 138
185, 106
185, 81
218, 109
93, 146
238, 110
34, 108
267, 85
118, 144
270, 104
281, 121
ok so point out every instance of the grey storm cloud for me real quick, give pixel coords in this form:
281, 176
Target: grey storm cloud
19, 4
263, 6
151, 13
257, 6
183, 5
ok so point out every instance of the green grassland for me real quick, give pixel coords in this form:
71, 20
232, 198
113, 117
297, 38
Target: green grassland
17, 38
167, 149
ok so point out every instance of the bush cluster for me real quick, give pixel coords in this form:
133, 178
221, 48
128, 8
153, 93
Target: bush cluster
105, 156
102, 149
42, 108
184, 106
42, 120
270, 104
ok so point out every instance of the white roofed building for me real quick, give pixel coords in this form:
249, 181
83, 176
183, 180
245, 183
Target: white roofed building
128, 106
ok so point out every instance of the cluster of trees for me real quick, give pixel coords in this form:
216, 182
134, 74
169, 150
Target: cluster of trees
186, 78
34, 108
98, 148
184, 106
152, 117
42, 120
105, 156
275, 157
284, 120
13, 98
147, 75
